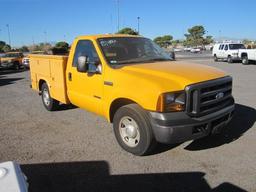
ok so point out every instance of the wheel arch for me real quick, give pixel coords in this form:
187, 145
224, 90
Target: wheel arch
116, 104
244, 55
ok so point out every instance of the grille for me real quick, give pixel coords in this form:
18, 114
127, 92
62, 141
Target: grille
208, 97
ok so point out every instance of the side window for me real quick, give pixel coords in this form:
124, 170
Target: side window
85, 48
226, 47
220, 46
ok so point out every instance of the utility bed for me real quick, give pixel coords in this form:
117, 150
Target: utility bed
51, 69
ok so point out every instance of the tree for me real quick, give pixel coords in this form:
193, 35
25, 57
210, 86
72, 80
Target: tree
6, 48
24, 49
2, 44
195, 36
128, 31
62, 44
208, 40
60, 48
164, 41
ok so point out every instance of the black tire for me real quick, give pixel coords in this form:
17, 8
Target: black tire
216, 58
16, 65
146, 141
245, 60
51, 104
230, 60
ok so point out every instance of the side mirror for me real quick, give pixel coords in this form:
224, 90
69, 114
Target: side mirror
82, 64
94, 67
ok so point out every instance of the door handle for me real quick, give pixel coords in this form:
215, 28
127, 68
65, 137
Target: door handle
70, 76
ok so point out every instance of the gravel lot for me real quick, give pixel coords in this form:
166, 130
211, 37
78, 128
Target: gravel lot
73, 150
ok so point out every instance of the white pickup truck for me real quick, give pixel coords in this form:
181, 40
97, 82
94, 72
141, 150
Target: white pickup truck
247, 55
227, 51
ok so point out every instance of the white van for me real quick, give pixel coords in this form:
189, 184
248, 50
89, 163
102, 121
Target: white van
227, 51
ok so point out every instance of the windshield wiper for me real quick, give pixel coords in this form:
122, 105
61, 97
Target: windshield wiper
159, 59
142, 60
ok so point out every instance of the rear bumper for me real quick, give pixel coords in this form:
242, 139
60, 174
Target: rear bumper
236, 58
179, 127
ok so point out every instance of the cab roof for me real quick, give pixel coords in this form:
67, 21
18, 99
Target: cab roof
105, 36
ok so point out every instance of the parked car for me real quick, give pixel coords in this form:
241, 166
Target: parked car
227, 51
187, 49
247, 55
177, 50
25, 60
11, 60
196, 50
136, 85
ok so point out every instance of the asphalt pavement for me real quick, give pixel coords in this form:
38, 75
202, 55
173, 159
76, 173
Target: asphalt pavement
74, 150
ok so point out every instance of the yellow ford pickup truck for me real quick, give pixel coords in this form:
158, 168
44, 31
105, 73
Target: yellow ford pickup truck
11, 60
135, 85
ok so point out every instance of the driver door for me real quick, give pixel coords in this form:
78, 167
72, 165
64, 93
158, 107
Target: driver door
85, 89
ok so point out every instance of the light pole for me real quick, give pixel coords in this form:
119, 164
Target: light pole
118, 16
45, 35
33, 41
9, 36
138, 25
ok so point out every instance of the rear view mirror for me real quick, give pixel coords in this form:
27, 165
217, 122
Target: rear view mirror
82, 64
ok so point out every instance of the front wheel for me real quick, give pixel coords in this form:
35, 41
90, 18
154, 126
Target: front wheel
215, 58
49, 103
245, 60
133, 130
230, 60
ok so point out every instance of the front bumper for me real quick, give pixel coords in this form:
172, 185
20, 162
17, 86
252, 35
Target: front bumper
6, 64
179, 127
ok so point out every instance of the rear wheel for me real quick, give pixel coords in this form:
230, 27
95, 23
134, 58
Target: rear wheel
216, 58
49, 103
133, 130
245, 60
230, 60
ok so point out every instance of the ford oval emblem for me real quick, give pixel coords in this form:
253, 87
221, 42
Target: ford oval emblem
219, 95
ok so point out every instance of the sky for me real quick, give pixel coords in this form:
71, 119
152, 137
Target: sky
57, 20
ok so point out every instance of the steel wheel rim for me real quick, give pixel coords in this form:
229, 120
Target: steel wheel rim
46, 97
129, 131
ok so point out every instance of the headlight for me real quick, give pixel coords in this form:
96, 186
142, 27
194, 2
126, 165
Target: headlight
171, 102
9, 61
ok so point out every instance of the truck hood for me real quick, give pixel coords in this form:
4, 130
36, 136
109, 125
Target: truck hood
172, 72
7, 58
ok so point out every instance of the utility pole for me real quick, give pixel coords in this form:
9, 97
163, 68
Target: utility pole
118, 16
138, 25
45, 35
9, 36
33, 41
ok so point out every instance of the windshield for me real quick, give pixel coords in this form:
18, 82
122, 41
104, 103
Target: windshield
13, 55
127, 50
236, 46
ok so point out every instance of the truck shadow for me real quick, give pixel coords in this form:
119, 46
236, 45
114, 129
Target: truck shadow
244, 119
64, 107
8, 81
10, 71
95, 176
